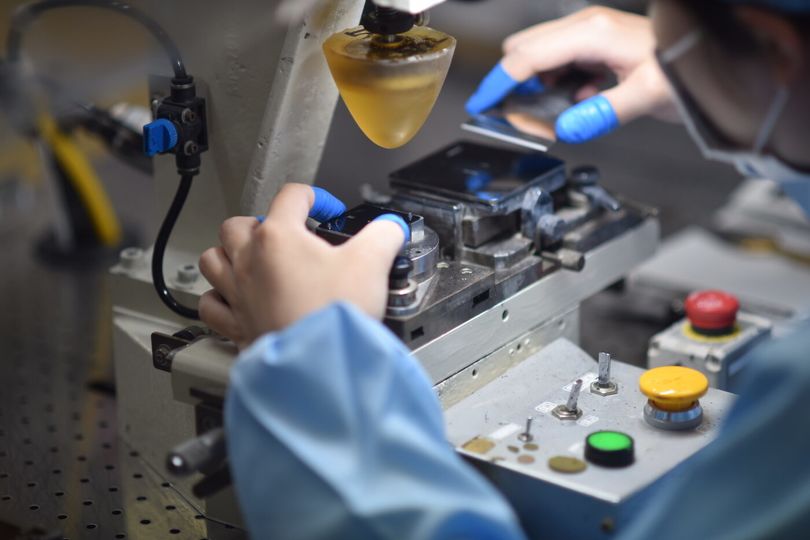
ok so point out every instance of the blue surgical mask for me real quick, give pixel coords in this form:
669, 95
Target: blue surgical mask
751, 162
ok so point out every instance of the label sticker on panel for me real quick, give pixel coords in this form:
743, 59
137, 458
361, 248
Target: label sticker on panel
504, 431
588, 421
545, 407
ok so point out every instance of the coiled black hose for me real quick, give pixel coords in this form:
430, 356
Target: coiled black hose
160, 249
27, 14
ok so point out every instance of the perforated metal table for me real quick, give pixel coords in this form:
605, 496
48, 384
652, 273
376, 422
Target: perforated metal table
63, 471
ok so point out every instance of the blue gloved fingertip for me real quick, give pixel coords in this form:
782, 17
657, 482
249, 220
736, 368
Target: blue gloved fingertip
406, 230
587, 120
326, 205
530, 87
493, 88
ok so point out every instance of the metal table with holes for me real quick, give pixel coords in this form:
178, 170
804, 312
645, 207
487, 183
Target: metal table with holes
63, 471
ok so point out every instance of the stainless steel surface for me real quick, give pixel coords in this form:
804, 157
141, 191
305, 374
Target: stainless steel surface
400, 298
541, 301
424, 253
553, 504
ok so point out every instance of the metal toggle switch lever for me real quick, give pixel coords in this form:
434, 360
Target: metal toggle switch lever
603, 386
570, 411
527, 436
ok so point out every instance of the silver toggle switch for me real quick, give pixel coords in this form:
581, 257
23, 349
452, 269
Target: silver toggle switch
603, 386
527, 436
570, 411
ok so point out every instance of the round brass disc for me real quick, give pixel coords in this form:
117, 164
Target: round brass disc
566, 464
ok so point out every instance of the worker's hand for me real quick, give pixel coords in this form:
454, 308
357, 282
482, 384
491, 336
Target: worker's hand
268, 275
594, 38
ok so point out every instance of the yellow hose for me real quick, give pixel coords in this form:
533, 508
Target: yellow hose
80, 173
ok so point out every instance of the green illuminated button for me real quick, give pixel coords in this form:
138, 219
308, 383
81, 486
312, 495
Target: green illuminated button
609, 449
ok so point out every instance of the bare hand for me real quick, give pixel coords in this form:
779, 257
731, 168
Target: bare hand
267, 276
597, 37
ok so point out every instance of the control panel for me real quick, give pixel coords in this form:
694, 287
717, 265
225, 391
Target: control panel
575, 445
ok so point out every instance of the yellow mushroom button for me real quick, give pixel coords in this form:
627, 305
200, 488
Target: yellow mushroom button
673, 388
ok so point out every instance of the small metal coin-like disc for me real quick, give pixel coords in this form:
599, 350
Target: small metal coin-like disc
530, 446
479, 445
513, 449
566, 464
526, 460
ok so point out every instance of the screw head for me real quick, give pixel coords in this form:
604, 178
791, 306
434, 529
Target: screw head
130, 257
188, 116
187, 274
162, 356
190, 148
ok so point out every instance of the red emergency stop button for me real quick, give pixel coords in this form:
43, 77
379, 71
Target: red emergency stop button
712, 312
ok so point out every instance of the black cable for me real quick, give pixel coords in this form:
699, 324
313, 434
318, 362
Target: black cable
160, 250
26, 14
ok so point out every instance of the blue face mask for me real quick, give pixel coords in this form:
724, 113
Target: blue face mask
751, 162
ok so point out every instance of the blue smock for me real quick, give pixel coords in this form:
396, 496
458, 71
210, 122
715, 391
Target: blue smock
334, 431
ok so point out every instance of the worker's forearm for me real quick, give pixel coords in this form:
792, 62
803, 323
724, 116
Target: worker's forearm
334, 431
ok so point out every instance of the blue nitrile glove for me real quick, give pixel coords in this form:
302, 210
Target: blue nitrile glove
406, 229
586, 120
497, 85
325, 207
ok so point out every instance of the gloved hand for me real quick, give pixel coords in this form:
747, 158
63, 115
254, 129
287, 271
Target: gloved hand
269, 273
594, 37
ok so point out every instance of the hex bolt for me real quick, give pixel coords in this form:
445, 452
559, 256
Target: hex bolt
187, 274
527, 436
163, 357
566, 258
190, 148
130, 257
570, 411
